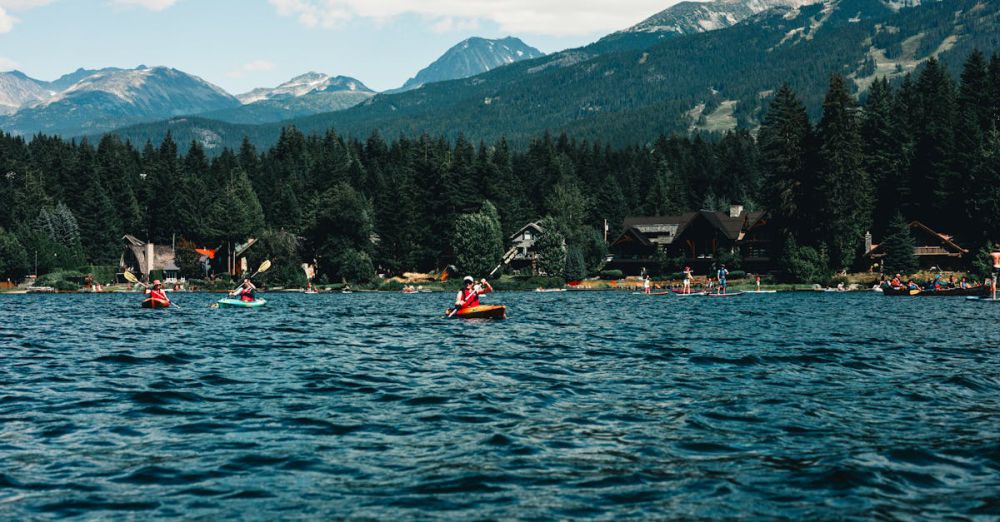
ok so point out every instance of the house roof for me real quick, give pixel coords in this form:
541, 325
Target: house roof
947, 241
164, 257
732, 227
534, 224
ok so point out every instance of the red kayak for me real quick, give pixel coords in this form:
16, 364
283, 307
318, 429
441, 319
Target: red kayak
155, 303
482, 312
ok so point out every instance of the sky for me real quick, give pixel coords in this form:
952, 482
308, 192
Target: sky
242, 44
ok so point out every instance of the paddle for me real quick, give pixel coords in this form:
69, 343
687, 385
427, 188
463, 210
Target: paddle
473, 294
131, 278
264, 267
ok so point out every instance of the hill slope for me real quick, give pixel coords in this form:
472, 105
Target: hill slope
632, 95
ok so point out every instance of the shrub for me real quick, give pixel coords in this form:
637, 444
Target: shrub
611, 274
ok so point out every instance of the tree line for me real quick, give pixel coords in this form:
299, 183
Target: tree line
927, 147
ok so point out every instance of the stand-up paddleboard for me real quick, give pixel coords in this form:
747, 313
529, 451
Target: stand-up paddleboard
730, 294
981, 299
760, 292
692, 294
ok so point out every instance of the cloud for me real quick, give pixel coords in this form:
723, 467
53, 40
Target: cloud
6, 21
549, 17
152, 5
6, 64
255, 66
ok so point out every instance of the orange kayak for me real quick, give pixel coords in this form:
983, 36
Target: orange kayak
155, 303
482, 312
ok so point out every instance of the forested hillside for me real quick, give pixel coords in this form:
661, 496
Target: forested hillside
619, 92
929, 149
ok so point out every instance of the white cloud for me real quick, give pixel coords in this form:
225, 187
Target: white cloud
6, 21
255, 66
550, 17
6, 64
152, 5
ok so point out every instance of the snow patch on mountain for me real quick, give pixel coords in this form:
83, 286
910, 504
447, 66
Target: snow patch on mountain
699, 17
309, 83
471, 57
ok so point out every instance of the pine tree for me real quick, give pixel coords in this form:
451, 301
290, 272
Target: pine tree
931, 174
882, 154
848, 195
785, 141
899, 248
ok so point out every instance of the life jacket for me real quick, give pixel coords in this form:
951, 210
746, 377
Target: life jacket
247, 294
470, 298
158, 294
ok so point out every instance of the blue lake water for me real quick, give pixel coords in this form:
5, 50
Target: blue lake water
590, 405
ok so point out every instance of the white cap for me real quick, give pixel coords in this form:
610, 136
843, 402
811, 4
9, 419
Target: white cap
468, 279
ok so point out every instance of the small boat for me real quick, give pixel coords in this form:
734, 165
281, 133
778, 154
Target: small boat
730, 294
482, 312
239, 303
979, 291
155, 303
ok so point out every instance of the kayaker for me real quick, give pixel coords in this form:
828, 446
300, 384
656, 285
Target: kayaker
156, 291
468, 296
722, 273
246, 292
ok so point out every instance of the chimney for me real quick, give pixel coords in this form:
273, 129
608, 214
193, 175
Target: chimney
735, 211
868, 242
149, 259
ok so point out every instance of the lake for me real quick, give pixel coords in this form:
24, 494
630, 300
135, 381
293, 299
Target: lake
581, 405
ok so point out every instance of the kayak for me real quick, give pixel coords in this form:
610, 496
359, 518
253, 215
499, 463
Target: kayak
730, 294
482, 312
155, 303
239, 303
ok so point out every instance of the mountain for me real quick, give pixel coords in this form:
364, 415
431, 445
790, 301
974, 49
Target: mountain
471, 57
707, 81
18, 90
67, 80
699, 17
310, 93
110, 98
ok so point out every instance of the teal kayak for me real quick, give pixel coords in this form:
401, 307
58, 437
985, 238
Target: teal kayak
237, 303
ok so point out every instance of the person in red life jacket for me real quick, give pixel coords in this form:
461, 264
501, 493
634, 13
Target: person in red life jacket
156, 291
247, 292
468, 296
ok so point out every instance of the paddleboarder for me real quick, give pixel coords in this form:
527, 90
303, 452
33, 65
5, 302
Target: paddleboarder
688, 274
647, 284
996, 269
721, 274
468, 296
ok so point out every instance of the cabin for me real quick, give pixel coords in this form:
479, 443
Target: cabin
933, 249
523, 246
142, 258
697, 237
